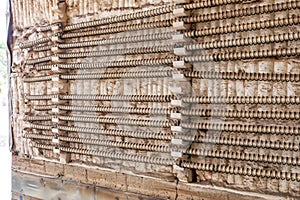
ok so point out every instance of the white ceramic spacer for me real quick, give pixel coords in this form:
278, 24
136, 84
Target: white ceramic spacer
55, 140
55, 28
176, 154
54, 58
55, 78
55, 120
55, 99
55, 39
175, 102
55, 89
56, 150
178, 76
54, 130
176, 128
177, 168
55, 49
55, 110
181, 51
181, 65
180, 26
181, 1
176, 90
54, 68
180, 12
179, 38
176, 115
176, 141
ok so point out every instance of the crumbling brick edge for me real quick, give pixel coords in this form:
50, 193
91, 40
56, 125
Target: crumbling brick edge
154, 188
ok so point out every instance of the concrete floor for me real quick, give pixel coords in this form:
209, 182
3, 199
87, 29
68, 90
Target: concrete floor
5, 164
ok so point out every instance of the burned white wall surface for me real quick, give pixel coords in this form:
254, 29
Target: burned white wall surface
205, 92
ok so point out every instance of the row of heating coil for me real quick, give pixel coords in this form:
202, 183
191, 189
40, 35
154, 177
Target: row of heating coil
122, 18
150, 13
108, 120
237, 170
35, 42
107, 75
110, 41
226, 56
118, 29
168, 73
120, 121
283, 115
247, 128
114, 52
254, 143
168, 98
38, 60
112, 155
246, 142
117, 63
166, 36
211, 3
130, 98
38, 118
250, 26
116, 132
106, 131
118, 144
231, 56
252, 157
156, 111
108, 143
239, 42
242, 99
243, 76
263, 39
245, 171
241, 12
257, 10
